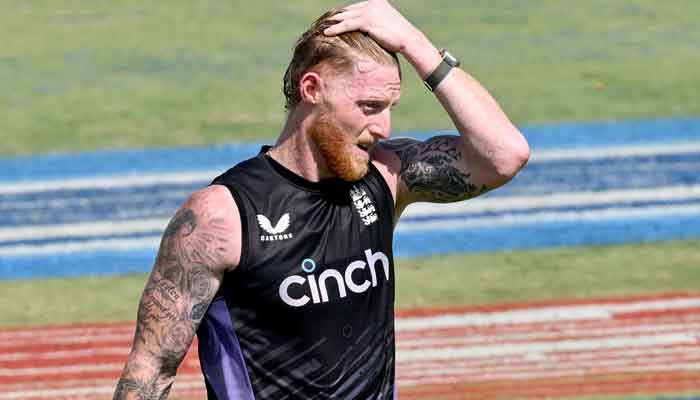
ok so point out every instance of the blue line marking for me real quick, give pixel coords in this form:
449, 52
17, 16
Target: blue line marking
148, 161
529, 236
125, 162
77, 264
590, 135
161, 200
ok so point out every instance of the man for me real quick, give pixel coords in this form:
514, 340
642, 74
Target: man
283, 267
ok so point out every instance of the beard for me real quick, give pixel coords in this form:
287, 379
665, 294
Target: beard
339, 150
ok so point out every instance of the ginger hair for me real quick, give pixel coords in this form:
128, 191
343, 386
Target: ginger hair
339, 54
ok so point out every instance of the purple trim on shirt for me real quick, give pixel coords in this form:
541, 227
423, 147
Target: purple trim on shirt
220, 355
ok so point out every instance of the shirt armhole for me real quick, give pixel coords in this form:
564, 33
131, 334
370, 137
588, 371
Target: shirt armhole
387, 198
242, 212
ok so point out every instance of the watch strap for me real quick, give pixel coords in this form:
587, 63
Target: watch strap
437, 76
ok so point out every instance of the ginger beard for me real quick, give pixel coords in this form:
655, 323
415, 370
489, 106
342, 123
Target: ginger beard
339, 150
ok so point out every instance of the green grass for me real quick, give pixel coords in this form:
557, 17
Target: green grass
79, 74
421, 282
567, 273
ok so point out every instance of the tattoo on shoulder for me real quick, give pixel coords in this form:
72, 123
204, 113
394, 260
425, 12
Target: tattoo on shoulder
183, 222
430, 169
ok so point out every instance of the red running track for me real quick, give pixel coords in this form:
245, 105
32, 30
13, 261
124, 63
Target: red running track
642, 345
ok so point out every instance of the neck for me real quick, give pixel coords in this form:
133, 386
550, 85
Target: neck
296, 150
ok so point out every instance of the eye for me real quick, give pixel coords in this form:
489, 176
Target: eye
371, 107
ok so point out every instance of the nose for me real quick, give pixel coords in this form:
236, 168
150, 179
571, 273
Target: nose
380, 126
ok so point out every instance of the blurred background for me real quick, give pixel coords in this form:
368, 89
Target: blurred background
112, 112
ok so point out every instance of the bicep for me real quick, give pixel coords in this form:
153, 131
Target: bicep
435, 170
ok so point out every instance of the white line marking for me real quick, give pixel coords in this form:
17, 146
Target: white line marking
476, 372
180, 384
505, 204
623, 213
634, 356
37, 333
531, 375
42, 203
603, 311
527, 316
146, 243
64, 369
537, 349
71, 339
111, 182
614, 152
82, 229
474, 339
64, 354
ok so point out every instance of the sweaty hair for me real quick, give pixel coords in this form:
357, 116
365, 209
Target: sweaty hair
339, 53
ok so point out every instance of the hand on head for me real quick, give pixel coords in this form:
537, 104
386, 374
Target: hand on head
377, 18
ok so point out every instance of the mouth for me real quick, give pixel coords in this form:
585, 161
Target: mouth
366, 145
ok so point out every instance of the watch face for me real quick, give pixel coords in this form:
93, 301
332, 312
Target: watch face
450, 59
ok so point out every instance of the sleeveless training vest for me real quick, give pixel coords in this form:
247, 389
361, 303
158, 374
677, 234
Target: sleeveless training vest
308, 312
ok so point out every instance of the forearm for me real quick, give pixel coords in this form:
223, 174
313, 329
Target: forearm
161, 341
489, 137
489, 150
144, 378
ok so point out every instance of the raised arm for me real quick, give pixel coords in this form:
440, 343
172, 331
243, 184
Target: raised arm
201, 242
489, 150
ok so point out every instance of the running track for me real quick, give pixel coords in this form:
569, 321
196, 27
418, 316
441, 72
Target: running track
606, 347
593, 183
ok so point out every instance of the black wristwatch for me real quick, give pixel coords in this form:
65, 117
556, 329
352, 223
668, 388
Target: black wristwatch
448, 62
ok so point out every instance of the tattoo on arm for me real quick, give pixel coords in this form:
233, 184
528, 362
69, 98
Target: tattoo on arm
173, 303
140, 390
430, 169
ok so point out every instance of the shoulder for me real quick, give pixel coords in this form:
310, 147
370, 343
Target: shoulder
210, 220
388, 164
211, 198
391, 157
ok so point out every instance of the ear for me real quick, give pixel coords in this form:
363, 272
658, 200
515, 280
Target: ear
310, 87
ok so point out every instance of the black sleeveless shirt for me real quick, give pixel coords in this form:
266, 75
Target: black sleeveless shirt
308, 312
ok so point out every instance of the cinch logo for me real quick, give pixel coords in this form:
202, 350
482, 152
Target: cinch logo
316, 287
275, 232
